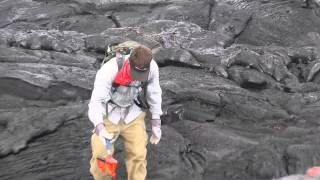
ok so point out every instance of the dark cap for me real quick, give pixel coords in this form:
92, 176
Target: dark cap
140, 59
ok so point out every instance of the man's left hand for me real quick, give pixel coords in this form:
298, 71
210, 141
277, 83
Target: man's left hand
156, 131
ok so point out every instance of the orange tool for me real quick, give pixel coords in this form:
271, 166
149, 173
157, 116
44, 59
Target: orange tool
108, 163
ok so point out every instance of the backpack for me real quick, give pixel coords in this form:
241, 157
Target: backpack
120, 51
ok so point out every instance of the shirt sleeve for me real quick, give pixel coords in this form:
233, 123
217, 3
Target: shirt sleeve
101, 91
154, 91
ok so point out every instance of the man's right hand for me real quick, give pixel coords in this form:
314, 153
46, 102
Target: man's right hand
103, 134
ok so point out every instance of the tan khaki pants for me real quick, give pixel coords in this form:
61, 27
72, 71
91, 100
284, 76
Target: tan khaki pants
135, 140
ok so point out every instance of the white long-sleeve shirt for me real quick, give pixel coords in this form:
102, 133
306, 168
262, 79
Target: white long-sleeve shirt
102, 92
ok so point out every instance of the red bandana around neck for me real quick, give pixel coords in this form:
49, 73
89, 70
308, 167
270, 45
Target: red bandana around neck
123, 76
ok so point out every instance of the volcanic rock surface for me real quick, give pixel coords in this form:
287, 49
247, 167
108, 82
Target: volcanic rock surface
240, 81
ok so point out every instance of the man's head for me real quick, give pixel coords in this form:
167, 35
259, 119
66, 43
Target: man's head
140, 59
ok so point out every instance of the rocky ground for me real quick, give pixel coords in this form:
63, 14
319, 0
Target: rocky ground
240, 81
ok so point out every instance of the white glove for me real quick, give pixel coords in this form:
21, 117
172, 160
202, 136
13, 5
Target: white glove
103, 134
156, 131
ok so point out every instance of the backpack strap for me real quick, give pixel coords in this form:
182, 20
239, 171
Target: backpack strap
120, 61
141, 100
144, 86
144, 89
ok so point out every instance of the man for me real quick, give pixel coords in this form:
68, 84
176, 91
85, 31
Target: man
112, 109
